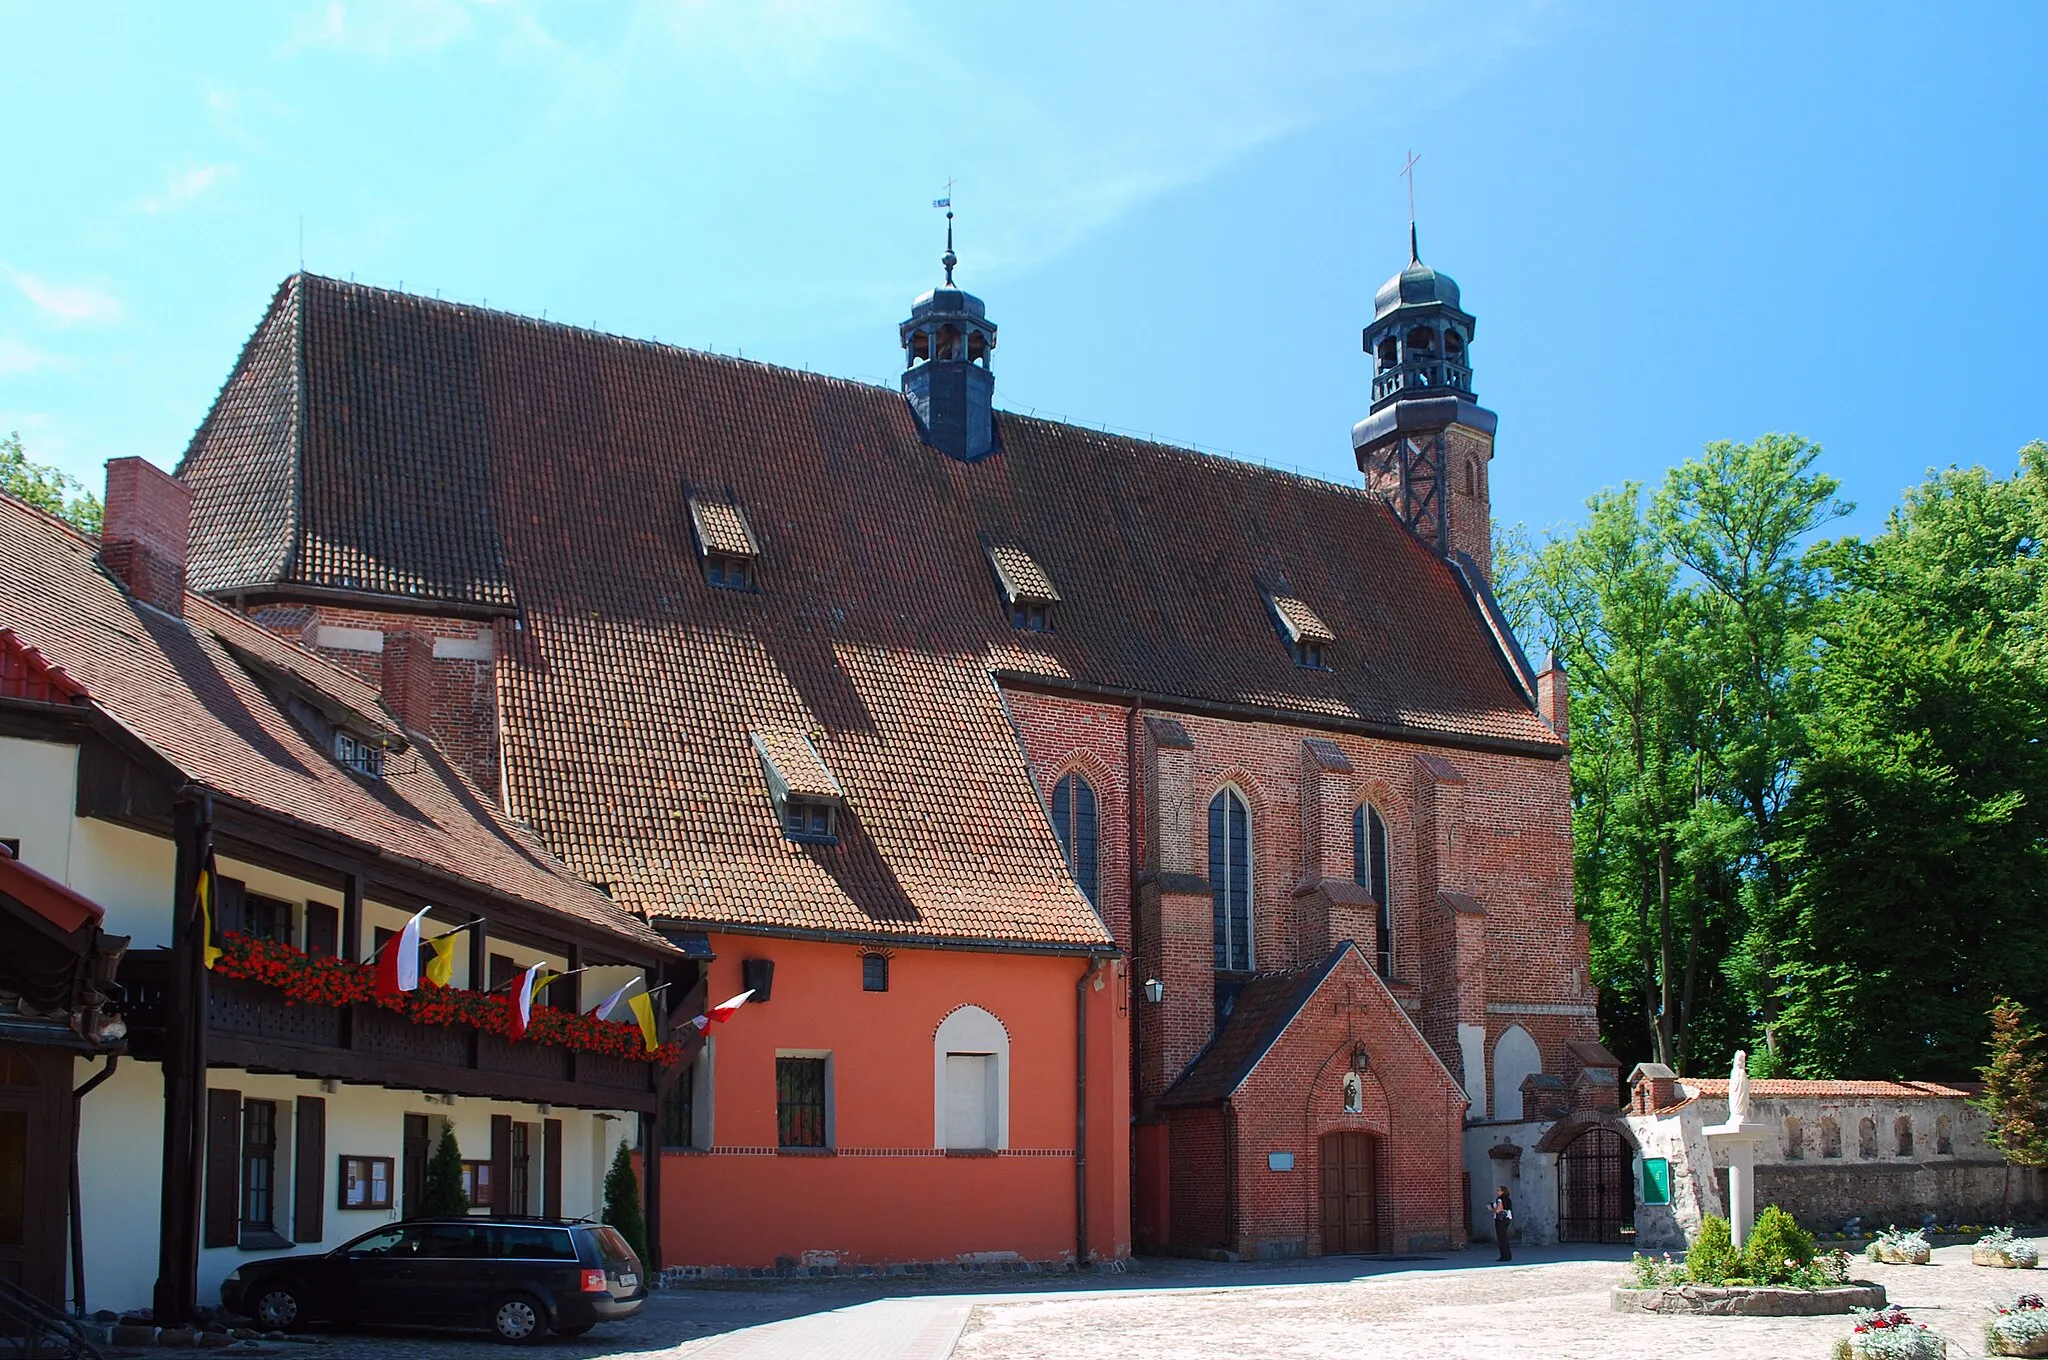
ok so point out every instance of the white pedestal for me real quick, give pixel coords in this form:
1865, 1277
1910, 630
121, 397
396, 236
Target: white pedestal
1739, 1142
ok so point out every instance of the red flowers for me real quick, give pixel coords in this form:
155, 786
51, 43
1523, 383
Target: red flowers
321, 981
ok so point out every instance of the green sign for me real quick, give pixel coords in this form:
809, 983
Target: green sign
1656, 1180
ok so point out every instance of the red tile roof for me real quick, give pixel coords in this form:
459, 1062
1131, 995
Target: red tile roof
176, 684
1021, 576
65, 910
482, 459
722, 527
1697, 1088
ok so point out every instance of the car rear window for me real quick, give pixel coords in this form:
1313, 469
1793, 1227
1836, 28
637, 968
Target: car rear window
533, 1244
612, 1249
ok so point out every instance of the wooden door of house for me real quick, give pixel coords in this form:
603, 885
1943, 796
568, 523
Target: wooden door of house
35, 1149
1350, 1194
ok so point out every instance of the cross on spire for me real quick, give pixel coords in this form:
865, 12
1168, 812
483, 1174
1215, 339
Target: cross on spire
1407, 172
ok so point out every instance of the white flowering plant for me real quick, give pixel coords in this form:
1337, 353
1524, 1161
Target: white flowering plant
2015, 1324
1891, 1335
1911, 1243
2018, 1250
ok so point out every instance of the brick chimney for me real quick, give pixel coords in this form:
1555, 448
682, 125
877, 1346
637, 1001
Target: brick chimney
1554, 696
147, 525
409, 678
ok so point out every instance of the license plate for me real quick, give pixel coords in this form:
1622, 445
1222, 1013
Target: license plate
627, 1279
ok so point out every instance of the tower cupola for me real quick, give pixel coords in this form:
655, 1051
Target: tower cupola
1420, 339
946, 376
1426, 446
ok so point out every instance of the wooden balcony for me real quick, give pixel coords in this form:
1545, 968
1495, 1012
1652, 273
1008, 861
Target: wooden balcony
254, 1027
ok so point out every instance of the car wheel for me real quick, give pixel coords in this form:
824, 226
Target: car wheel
519, 1319
278, 1307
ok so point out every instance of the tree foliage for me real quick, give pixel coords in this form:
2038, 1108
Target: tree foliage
1810, 794
2015, 1095
46, 488
622, 1202
443, 1196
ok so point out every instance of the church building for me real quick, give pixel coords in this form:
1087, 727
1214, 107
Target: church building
1126, 846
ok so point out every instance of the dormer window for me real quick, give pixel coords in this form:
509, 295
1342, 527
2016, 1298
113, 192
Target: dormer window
1027, 591
364, 757
725, 542
807, 798
1305, 635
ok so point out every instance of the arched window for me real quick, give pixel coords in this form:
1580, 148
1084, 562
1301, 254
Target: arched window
1866, 1139
971, 1081
1471, 479
1370, 868
1795, 1138
1830, 1137
1944, 1137
1073, 821
1230, 880
1902, 1135
1515, 1060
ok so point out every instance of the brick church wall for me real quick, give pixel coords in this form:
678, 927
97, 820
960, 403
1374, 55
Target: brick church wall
1507, 844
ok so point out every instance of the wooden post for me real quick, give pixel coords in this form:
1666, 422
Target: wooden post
351, 945
480, 957
650, 1187
177, 1281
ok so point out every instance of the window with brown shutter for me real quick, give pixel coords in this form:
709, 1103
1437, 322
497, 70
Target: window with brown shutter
323, 929
551, 1168
223, 1227
309, 1170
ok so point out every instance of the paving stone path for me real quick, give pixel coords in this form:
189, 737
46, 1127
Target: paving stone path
1551, 1304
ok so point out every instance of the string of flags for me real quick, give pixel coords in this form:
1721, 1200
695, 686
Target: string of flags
398, 970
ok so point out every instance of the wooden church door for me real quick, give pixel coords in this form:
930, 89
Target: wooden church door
1350, 1194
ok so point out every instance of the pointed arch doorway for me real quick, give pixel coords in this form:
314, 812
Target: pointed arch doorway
1350, 1172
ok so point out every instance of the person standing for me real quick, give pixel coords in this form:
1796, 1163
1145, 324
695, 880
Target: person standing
1503, 1218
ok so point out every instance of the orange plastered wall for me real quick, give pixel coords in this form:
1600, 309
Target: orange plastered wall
887, 1193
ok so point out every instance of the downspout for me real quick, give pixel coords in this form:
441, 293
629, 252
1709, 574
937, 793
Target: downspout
77, 1225
1088, 976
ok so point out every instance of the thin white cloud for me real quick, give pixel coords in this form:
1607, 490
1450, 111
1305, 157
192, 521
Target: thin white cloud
183, 187
68, 304
383, 29
17, 356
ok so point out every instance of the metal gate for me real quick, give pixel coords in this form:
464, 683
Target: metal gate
1595, 1199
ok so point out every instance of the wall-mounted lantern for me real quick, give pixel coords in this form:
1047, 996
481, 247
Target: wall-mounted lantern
1155, 990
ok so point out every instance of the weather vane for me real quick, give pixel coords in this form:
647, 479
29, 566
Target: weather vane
948, 259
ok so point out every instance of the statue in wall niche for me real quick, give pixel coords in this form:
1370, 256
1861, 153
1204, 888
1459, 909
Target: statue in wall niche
1738, 1089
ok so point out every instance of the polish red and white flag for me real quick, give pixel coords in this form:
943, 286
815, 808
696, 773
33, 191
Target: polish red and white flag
398, 967
523, 993
723, 1011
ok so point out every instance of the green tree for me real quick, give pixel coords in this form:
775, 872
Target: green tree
46, 488
444, 1196
2015, 1095
622, 1202
1684, 621
1915, 838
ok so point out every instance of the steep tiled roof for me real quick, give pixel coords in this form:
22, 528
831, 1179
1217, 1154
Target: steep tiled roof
182, 687
631, 689
1264, 1008
1300, 621
795, 763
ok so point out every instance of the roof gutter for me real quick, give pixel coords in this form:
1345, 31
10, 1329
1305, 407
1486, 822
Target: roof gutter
953, 943
1326, 722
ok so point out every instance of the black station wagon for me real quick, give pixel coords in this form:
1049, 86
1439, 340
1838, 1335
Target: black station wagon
520, 1277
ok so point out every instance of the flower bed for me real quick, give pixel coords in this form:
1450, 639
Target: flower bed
2000, 1248
1761, 1300
318, 980
1891, 1335
2021, 1328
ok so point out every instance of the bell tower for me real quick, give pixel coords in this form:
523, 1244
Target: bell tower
1426, 446
946, 347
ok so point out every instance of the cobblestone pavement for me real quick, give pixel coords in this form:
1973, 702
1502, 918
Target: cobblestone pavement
1551, 1304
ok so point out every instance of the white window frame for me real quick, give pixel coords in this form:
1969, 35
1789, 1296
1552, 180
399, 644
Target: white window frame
970, 1029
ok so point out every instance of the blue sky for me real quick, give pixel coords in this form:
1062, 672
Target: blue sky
1674, 224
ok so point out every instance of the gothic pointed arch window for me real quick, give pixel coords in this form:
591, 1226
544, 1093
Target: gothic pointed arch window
1230, 880
1371, 870
1074, 823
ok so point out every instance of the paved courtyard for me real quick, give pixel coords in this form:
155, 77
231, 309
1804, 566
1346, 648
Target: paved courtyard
1549, 1305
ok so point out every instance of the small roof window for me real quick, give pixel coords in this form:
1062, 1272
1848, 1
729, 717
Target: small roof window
807, 797
725, 542
1305, 634
1028, 592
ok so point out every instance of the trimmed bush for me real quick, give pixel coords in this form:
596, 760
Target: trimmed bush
1713, 1258
1778, 1248
444, 1196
